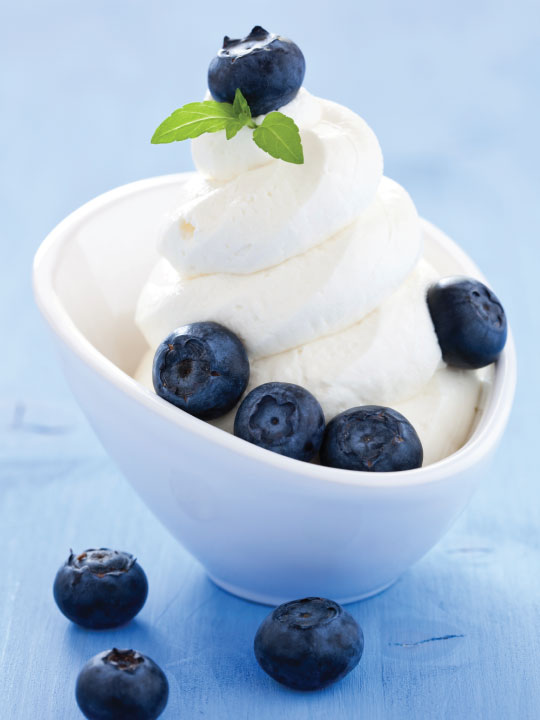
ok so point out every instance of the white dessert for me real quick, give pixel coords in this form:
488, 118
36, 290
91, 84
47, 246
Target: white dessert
318, 268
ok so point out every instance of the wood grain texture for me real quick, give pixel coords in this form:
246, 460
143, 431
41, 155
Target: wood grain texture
451, 90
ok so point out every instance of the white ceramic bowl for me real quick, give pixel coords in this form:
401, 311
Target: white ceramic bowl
265, 527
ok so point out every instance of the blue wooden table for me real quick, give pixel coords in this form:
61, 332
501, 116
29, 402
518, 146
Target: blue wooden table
451, 89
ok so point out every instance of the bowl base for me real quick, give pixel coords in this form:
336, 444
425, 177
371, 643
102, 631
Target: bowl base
272, 600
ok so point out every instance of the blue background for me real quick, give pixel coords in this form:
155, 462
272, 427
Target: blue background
451, 89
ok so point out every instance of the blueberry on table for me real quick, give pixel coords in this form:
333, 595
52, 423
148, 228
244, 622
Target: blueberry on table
308, 644
121, 685
267, 68
281, 417
201, 368
371, 438
100, 588
469, 320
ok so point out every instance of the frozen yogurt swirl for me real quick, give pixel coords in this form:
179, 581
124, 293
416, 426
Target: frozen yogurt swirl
317, 267
284, 254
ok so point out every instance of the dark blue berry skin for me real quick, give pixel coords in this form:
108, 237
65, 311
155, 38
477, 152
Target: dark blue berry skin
121, 685
469, 320
281, 417
268, 69
201, 368
371, 438
308, 644
100, 588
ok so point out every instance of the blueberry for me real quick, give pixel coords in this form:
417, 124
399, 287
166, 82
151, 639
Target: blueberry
371, 438
308, 644
201, 368
268, 69
281, 417
469, 320
100, 588
121, 685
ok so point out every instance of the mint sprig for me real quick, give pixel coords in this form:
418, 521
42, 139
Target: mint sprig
277, 135
197, 118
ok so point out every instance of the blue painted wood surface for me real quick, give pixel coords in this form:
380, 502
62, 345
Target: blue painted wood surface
451, 89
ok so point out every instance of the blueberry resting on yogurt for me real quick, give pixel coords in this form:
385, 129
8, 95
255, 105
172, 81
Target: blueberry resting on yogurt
121, 685
267, 68
100, 588
371, 438
281, 417
308, 644
469, 320
201, 368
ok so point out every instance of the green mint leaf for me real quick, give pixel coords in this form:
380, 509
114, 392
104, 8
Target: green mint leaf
234, 126
279, 136
240, 105
194, 119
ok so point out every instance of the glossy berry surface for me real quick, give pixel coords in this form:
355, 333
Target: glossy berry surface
121, 685
308, 644
201, 368
267, 68
371, 438
281, 417
100, 588
469, 320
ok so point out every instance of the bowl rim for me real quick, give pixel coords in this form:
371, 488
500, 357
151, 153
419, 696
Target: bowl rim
480, 444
